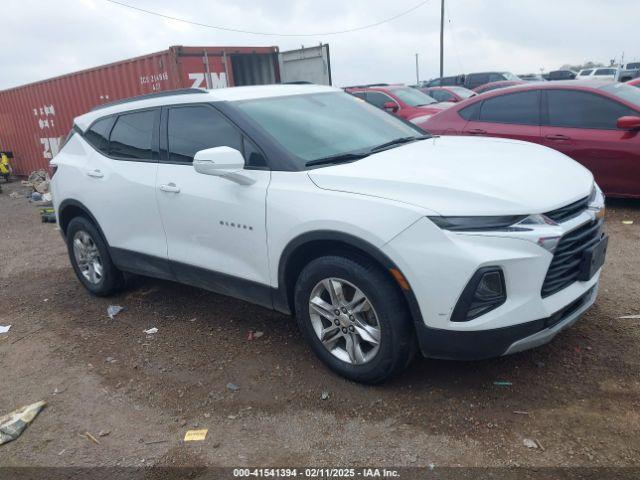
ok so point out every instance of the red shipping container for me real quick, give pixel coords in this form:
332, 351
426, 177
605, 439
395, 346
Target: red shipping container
35, 118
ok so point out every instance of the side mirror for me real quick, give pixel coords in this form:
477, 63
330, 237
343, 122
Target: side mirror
629, 123
223, 162
390, 107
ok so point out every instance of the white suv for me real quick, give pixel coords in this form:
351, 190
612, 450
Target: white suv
382, 240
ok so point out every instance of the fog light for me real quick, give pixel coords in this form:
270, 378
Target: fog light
485, 291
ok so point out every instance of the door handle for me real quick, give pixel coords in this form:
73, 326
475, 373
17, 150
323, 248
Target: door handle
477, 131
557, 137
170, 187
95, 173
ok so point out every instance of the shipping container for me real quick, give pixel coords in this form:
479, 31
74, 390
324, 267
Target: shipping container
35, 118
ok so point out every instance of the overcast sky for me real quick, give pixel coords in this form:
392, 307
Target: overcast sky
44, 38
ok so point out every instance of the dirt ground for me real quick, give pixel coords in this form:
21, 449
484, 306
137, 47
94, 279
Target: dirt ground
578, 397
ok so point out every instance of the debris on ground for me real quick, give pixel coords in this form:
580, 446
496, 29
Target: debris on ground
14, 195
527, 442
104, 433
151, 331
113, 310
110, 360
325, 395
4, 328
627, 317
48, 215
502, 383
627, 222
13, 424
520, 412
195, 435
254, 335
91, 437
233, 387
36, 196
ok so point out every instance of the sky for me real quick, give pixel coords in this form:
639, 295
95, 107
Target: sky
45, 38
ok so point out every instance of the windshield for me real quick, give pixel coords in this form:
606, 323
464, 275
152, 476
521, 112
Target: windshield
605, 71
462, 92
412, 97
633, 66
625, 92
320, 125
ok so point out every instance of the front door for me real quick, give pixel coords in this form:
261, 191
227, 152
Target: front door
215, 228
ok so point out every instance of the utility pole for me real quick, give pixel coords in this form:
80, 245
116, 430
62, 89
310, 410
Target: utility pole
417, 71
442, 39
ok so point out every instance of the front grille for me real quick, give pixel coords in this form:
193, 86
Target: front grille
567, 212
569, 310
565, 266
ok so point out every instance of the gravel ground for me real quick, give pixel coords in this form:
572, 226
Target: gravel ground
578, 398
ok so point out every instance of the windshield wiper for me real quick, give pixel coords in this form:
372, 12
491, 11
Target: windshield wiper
398, 141
342, 158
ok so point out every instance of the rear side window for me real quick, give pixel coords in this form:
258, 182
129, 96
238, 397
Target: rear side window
98, 134
515, 108
605, 71
195, 128
131, 137
573, 109
585, 73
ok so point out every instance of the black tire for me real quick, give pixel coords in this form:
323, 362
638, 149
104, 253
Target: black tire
397, 344
112, 279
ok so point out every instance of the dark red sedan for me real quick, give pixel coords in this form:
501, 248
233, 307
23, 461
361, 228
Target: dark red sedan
595, 123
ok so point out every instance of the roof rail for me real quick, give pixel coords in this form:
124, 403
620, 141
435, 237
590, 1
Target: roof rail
166, 93
368, 85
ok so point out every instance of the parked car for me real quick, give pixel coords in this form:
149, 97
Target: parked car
608, 73
628, 71
561, 75
596, 123
487, 87
472, 80
532, 77
301, 198
456, 80
449, 94
399, 100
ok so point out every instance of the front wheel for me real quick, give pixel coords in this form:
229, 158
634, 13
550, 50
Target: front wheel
354, 318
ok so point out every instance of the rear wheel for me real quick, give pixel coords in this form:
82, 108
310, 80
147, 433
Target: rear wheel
90, 258
354, 318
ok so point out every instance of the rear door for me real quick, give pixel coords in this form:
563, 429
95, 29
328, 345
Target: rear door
582, 125
215, 228
120, 184
512, 115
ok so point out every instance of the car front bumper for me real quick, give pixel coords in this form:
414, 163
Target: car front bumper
438, 264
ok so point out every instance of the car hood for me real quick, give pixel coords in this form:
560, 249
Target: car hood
464, 176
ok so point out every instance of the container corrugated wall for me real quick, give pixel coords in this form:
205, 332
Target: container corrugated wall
35, 118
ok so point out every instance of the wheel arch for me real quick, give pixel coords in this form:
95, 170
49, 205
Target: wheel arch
311, 245
69, 209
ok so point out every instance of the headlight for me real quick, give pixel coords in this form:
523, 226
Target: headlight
479, 224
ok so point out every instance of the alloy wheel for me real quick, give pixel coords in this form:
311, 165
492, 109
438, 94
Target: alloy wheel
345, 321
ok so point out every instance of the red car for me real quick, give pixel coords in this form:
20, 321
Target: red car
404, 102
448, 94
487, 87
635, 82
596, 123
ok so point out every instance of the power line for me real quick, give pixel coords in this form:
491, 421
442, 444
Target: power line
272, 34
